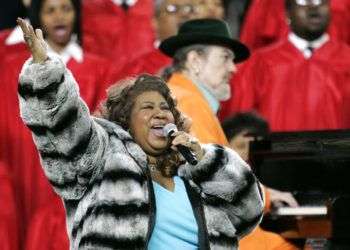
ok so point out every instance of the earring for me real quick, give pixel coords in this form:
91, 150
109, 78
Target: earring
196, 71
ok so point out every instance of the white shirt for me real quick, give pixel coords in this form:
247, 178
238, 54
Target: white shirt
15, 37
128, 2
303, 45
72, 50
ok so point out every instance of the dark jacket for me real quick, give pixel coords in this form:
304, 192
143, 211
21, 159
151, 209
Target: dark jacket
102, 174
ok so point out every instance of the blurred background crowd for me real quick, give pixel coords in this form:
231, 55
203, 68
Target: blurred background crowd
297, 78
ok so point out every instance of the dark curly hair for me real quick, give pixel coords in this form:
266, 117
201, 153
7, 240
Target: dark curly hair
120, 102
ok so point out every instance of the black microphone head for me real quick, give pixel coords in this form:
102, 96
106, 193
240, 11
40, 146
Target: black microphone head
169, 129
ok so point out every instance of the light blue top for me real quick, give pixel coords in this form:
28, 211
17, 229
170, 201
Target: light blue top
211, 99
175, 225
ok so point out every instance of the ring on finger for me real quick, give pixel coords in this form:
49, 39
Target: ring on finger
192, 141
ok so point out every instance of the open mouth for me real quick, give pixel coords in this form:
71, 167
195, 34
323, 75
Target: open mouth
60, 30
314, 16
157, 130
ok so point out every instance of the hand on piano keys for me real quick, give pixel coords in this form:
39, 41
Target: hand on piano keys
299, 222
281, 199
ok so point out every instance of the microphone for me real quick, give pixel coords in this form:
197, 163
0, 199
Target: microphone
168, 131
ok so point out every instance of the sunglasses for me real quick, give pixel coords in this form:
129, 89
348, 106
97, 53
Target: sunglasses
309, 2
175, 8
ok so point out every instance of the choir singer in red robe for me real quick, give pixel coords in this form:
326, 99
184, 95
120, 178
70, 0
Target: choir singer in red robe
59, 20
266, 23
302, 82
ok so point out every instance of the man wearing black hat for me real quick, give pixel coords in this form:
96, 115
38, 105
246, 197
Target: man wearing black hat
204, 56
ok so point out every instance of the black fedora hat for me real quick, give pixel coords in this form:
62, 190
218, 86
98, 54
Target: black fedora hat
204, 31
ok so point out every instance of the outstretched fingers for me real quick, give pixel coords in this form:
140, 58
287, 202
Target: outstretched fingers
31, 30
27, 29
24, 27
40, 36
34, 40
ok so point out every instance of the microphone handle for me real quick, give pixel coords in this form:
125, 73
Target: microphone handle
187, 154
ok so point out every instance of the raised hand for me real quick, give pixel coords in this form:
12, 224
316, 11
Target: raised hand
34, 40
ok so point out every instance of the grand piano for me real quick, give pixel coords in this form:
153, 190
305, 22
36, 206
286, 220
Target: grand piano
310, 161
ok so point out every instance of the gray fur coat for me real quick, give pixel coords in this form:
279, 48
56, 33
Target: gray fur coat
102, 175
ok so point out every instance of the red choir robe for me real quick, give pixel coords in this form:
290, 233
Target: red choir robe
265, 22
294, 93
9, 224
117, 34
11, 42
17, 149
152, 62
47, 228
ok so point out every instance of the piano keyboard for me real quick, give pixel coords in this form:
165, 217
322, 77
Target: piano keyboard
301, 211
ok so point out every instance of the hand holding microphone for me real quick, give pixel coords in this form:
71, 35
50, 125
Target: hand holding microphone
187, 145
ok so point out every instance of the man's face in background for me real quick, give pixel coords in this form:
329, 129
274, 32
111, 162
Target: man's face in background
215, 70
172, 13
309, 19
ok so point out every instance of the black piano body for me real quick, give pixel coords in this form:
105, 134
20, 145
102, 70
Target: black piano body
307, 161
304, 161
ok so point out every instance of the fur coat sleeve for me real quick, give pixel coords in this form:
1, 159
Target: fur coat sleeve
70, 143
226, 182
